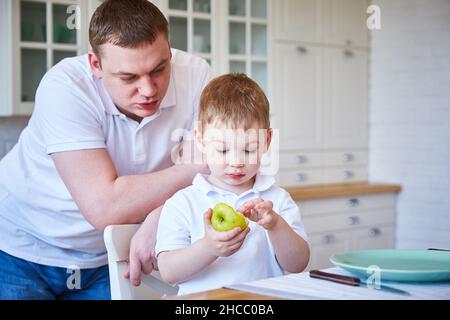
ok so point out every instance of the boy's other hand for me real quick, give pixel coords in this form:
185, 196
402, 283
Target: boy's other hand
261, 212
223, 244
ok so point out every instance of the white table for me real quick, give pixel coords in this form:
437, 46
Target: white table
302, 286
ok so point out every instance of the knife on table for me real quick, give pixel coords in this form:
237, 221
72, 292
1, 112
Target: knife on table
351, 281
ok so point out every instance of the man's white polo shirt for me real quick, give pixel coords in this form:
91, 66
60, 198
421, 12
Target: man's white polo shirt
181, 224
39, 221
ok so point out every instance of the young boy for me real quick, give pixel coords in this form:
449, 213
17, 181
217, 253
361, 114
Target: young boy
233, 134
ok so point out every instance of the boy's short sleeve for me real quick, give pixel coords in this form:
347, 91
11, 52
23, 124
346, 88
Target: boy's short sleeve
291, 214
174, 226
67, 117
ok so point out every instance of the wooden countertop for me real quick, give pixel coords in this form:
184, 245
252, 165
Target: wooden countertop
222, 294
340, 190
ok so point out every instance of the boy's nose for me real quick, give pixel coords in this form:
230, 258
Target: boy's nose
236, 160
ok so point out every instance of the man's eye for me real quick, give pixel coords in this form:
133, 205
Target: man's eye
222, 151
250, 151
158, 71
128, 79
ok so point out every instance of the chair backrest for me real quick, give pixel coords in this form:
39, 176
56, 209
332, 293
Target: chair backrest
117, 240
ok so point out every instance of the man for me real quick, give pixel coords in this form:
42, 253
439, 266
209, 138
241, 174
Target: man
97, 151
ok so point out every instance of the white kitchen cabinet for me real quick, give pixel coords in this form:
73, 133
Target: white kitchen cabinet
340, 22
36, 34
345, 22
320, 97
345, 93
297, 98
337, 225
298, 20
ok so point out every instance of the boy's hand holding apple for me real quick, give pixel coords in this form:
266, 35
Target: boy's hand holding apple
222, 244
261, 212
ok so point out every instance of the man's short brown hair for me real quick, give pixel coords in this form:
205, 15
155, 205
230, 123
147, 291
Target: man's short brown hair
127, 24
235, 100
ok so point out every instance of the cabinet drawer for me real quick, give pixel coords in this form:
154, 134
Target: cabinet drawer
374, 237
346, 174
300, 177
346, 158
301, 160
347, 204
336, 222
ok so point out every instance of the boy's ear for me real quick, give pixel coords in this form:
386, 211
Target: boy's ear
199, 140
268, 140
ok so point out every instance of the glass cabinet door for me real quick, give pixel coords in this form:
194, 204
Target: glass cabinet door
191, 26
248, 38
49, 32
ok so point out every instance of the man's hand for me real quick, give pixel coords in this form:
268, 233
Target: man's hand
260, 211
222, 244
142, 249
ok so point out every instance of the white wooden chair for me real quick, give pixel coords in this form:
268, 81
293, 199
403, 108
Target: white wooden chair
117, 240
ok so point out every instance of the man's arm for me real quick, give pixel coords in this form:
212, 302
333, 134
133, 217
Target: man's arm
105, 199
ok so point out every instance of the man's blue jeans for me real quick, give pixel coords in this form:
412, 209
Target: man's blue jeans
24, 280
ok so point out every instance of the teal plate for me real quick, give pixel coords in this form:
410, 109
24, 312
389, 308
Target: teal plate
396, 264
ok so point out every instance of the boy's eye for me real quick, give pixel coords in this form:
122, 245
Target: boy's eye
223, 151
250, 151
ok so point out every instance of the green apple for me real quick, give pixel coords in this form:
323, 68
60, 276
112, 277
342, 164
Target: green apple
224, 218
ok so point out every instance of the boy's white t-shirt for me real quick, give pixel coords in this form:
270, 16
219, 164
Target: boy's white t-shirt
39, 221
181, 224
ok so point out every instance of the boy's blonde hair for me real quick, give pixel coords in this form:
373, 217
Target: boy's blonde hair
235, 100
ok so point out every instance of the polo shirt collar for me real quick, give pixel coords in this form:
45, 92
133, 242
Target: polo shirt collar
262, 183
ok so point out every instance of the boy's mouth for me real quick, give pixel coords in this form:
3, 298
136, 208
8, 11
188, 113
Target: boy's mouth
236, 176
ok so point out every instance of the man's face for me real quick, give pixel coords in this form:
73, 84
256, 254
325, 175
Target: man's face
136, 79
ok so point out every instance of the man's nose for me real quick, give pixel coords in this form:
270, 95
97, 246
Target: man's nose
147, 87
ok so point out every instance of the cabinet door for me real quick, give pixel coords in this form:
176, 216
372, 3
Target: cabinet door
297, 98
323, 246
345, 98
298, 20
374, 237
345, 22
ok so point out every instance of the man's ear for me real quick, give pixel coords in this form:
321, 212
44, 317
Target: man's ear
268, 140
95, 64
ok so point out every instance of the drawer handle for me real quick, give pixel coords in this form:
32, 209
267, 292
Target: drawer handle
302, 50
374, 232
301, 159
329, 238
353, 202
353, 220
301, 177
348, 174
348, 53
348, 157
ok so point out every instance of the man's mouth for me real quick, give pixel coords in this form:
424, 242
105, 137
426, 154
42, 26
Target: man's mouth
148, 105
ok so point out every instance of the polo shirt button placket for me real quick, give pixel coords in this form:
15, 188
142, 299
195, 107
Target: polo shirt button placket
139, 147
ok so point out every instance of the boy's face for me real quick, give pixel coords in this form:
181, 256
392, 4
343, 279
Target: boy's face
136, 78
233, 155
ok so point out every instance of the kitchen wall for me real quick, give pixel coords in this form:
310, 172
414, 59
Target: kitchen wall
10, 129
410, 116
